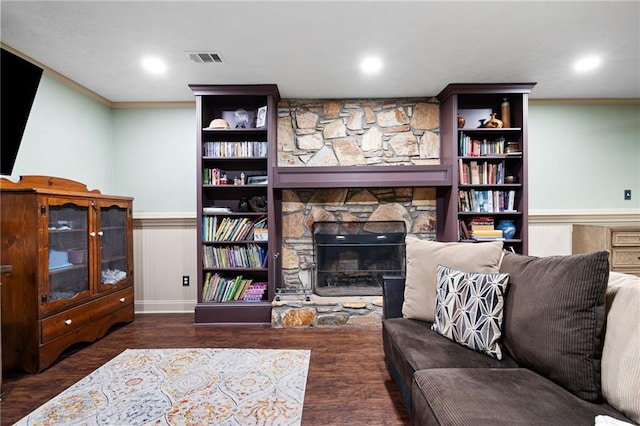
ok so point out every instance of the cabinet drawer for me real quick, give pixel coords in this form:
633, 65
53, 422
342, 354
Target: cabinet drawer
80, 316
625, 257
625, 238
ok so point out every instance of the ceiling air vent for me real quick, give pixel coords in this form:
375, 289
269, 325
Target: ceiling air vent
205, 57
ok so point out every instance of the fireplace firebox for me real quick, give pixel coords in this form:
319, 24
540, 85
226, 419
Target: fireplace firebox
350, 258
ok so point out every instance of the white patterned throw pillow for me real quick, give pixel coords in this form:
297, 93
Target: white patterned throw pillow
469, 308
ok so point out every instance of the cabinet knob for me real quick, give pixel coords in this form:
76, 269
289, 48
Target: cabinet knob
68, 322
122, 300
93, 234
100, 233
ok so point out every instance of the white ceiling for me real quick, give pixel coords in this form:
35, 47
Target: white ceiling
311, 49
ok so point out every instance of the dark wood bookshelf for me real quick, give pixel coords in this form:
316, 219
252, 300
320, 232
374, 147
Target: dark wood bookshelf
484, 97
217, 102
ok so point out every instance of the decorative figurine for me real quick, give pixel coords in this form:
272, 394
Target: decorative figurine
493, 123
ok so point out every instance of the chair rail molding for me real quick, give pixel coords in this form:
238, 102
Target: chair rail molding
584, 216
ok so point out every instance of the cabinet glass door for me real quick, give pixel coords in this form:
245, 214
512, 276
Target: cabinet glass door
114, 252
68, 252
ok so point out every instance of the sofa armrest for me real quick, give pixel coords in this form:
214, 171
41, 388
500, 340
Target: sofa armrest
392, 296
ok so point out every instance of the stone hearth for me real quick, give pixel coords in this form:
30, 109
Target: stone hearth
326, 311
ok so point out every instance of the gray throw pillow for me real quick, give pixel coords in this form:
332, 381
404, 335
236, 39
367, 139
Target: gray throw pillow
469, 309
554, 316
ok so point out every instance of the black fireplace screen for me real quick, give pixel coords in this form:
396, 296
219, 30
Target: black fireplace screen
352, 257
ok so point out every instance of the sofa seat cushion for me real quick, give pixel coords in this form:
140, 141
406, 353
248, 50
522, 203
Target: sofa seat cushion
411, 345
489, 396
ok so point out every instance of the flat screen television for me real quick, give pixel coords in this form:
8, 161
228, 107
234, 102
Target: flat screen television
20, 80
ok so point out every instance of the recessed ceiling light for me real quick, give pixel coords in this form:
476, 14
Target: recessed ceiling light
154, 65
588, 63
371, 65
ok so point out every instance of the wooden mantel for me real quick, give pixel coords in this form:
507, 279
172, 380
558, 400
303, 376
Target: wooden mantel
361, 176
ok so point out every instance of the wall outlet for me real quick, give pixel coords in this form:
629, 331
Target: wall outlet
627, 194
185, 280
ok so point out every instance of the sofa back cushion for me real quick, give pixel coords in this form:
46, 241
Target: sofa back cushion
424, 256
554, 315
621, 351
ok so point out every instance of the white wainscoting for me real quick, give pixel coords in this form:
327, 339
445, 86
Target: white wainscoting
165, 249
550, 231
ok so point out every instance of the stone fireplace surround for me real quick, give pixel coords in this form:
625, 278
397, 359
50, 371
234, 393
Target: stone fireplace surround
351, 258
317, 139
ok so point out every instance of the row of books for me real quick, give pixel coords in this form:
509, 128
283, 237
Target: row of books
480, 229
484, 223
219, 289
480, 173
214, 176
489, 201
249, 256
469, 147
226, 228
235, 149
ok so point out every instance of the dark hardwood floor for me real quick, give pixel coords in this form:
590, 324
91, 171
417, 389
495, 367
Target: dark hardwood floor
347, 384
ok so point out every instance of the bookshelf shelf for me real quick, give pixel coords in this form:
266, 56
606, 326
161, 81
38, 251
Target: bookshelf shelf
489, 165
490, 130
236, 269
233, 242
231, 289
227, 132
494, 186
205, 158
473, 214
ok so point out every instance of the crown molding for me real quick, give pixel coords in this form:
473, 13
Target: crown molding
586, 101
134, 105
59, 77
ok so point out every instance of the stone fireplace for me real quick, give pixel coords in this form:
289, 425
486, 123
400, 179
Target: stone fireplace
350, 258
302, 209
342, 133
415, 207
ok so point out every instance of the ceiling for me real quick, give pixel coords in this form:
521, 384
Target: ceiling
311, 49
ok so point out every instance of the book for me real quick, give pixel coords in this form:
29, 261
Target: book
464, 234
481, 222
486, 233
216, 210
475, 172
487, 238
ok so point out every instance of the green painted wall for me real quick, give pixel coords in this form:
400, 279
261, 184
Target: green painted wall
67, 135
583, 157
155, 158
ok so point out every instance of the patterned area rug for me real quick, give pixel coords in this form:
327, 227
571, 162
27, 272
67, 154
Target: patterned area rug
227, 387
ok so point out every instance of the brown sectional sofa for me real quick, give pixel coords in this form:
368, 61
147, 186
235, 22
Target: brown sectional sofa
570, 343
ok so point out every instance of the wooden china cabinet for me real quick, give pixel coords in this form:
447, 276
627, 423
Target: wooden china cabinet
71, 257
